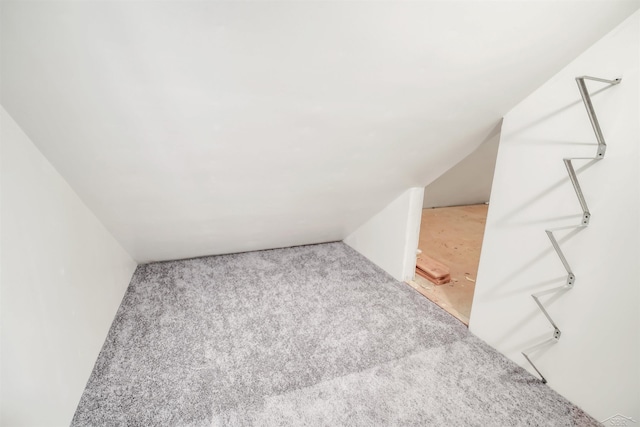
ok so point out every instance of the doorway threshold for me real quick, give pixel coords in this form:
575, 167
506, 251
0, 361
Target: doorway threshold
436, 294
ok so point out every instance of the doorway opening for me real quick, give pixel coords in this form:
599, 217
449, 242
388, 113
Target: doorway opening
450, 245
452, 228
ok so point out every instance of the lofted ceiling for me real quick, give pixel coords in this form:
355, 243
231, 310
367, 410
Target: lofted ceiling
195, 128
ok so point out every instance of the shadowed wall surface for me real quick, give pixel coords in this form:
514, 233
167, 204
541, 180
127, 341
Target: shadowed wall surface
532, 192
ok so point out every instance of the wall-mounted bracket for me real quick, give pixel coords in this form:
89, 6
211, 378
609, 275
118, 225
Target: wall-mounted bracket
544, 380
536, 298
586, 215
586, 98
571, 277
530, 350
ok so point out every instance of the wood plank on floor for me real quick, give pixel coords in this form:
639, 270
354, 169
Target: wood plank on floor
432, 270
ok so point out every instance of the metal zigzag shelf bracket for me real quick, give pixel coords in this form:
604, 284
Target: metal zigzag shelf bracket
584, 222
586, 98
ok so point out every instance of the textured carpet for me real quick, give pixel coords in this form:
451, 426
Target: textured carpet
312, 335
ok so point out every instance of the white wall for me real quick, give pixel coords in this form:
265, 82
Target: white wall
62, 279
390, 238
195, 128
469, 181
596, 362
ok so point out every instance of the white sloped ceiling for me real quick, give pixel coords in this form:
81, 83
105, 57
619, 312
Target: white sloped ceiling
196, 128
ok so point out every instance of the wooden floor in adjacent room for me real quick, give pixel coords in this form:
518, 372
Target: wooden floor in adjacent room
453, 236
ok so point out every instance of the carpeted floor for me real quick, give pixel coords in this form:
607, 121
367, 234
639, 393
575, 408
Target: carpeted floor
312, 335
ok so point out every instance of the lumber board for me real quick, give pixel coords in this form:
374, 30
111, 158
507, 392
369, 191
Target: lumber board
432, 270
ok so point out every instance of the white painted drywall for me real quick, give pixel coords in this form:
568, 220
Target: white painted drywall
596, 363
390, 238
469, 181
62, 279
196, 128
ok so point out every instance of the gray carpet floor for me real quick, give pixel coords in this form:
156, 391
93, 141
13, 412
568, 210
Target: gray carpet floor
306, 336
